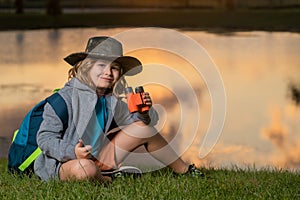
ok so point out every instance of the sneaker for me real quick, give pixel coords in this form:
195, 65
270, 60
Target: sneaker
123, 171
194, 172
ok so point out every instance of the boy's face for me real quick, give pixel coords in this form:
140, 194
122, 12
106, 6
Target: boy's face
105, 74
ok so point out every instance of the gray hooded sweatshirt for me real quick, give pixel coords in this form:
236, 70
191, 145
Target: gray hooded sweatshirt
57, 145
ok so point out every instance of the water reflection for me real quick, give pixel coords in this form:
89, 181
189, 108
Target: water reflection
260, 71
20, 45
294, 93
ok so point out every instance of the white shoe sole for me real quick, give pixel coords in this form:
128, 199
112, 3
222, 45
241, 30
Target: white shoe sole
123, 169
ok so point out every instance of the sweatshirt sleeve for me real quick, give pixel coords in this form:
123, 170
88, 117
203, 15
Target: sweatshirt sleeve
50, 137
150, 118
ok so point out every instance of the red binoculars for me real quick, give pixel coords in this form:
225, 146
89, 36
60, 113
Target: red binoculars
135, 101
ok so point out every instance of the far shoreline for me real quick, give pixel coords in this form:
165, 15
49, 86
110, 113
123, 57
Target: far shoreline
219, 21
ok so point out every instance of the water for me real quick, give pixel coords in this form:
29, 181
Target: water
257, 69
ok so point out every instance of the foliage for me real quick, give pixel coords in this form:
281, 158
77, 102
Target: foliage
19, 4
53, 7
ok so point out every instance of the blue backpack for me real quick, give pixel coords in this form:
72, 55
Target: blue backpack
24, 149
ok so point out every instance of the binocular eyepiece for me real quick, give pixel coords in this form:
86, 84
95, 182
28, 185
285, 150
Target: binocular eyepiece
135, 101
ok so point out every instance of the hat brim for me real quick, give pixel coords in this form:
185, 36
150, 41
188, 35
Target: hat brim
130, 65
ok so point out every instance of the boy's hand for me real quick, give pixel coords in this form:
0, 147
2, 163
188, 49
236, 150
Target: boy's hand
147, 99
82, 151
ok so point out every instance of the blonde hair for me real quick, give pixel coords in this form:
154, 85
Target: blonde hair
81, 72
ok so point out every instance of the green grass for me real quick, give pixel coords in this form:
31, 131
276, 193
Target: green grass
268, 20
218, 184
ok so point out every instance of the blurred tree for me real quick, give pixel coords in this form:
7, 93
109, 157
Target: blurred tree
187, 3
230, 5
19, 6
53, 7
82, 4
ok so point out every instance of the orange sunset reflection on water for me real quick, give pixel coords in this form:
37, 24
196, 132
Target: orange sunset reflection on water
262, 121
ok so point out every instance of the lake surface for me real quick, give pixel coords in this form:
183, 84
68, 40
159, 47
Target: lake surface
259, 71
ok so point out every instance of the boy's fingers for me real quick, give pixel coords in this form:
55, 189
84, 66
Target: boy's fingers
88, 147
81, 146
80, 143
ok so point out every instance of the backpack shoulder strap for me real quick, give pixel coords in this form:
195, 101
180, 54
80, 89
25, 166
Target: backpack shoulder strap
60, 107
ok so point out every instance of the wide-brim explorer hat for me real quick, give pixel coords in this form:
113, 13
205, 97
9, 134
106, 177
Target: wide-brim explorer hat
107, 48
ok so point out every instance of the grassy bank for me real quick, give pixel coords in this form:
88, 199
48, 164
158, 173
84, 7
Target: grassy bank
268, 20
218, 184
